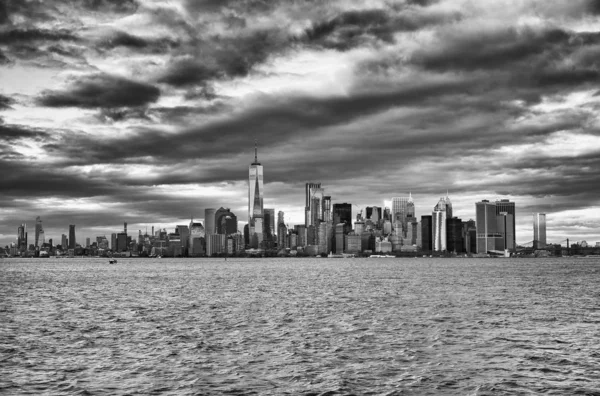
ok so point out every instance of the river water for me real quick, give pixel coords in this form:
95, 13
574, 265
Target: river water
300, 326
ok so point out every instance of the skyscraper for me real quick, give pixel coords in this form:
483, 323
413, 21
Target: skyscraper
255, 199
504, 205
439, 230
314, 199
38, 229
448, 207
224, 221
21, 239
269, 214
487, 226
209, 221
72, 236
326, 207
342, 213
539, 230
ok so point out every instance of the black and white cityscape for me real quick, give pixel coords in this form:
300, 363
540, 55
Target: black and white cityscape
146, 113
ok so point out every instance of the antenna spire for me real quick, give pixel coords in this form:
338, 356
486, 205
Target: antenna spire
255, 150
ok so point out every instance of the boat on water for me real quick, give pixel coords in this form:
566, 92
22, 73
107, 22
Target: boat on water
331, 255
381, 256
112, 261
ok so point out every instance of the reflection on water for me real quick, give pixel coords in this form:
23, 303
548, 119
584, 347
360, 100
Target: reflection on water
301, 326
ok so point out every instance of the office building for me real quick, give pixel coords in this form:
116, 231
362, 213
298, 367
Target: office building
342, 213
454, 235
22, 237
326, 207
197, 241
505, 228
487, 227
224, 221
184, 236
255, 194
427, 233
209, 221
313, 212
72, 240
539, 230
439, 230
353, 243
38, 230
505, 205
87, 242
269, 222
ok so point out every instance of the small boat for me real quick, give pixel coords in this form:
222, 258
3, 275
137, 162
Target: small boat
112, 261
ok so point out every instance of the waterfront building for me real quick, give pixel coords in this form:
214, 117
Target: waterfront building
22, 237
72, 240
359, 226
122, 244
255, 201
87, 242
209, 221
383, 245
38, 229
449, 213
427, 233
322, 232
215, 244
505, 205
487, 226
454, 235
326, 207
470, 236
353, 243
281, 231
197, 241
396, 241
340, 229
505, 229
342, 213
313, 211
439, 230
419, 234
42, 237
184, 236
539, 230
387, 227
113, 241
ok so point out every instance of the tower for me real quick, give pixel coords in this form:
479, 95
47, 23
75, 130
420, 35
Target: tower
313, 209
72, 236
38, 229
504, 205
539, 230
255, 197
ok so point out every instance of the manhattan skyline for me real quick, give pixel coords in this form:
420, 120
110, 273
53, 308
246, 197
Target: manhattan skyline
147, 113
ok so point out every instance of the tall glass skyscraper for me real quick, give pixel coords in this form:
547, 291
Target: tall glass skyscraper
255, 197
72, 236
539, 230
504, 205
314, 200
38, 230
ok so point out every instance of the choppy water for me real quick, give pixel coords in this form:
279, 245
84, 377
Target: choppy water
300, 326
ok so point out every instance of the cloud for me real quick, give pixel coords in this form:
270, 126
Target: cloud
5, 102
101, 91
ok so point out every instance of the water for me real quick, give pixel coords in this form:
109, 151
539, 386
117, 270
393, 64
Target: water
300, 326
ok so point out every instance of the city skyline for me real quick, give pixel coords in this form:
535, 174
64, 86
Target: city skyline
146, 113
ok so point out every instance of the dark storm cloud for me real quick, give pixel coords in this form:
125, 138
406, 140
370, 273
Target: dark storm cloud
12, 133
30, 35
5, 102
101, 91
352, 29
224, 57
124, 39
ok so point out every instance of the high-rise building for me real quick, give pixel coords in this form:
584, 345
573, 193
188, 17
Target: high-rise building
505, 229
326, 207
63, 241
505, 205
72, 240
342, 213
255, 189
439, 230
454, 235
87, 242
269, 217
313, 212
197, 241
38, 229
113, 241
539, 230
487, 226
426, 233
184, 236
209, 221
224, 221
21, 236
374, 214
448, 207
403, 209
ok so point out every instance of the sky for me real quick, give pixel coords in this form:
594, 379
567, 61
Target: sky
146, 112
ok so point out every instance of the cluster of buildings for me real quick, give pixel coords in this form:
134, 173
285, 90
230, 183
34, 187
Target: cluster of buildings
329, 228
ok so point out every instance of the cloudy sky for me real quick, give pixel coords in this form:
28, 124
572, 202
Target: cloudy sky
147, 111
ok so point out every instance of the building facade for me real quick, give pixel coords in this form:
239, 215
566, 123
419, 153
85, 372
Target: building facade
539, 230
